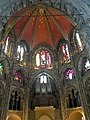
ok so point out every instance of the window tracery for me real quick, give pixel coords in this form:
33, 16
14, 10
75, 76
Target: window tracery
73, 99
43, 84
15, 102
43, 59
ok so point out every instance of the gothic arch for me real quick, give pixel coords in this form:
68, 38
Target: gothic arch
81, 64
44, 91
40, 72
47, 52
63, 51
16, 100
71, 97
69, 88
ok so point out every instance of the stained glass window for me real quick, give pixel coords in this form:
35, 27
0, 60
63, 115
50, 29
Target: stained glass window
86, 64
79, 41
8, 45
43, 59
70, 74
20, 52
1, 69
66, 55
18, 77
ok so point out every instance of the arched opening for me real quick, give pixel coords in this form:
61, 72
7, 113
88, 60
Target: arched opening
42, 59
76, 116
44, 117
84, 65
21, 52
13, 117
73, 99
16, 101
44, 92
63, 51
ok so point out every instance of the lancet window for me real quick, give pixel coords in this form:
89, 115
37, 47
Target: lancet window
63, 52
8, 45
21, 52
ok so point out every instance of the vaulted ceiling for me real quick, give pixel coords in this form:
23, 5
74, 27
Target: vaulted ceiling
38, 21
41, 24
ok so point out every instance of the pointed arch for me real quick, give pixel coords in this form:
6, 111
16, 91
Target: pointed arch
16, 100
44, 91
63, 51
42, 58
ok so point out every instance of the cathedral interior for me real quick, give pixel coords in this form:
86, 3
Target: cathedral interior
45, 60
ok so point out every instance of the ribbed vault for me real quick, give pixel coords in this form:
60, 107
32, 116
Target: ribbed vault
41, 24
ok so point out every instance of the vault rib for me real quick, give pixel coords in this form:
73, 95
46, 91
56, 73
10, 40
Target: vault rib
57, 24
49, 28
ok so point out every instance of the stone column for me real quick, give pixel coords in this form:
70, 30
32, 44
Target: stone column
61, 110
26, 97
5, 103
83, 98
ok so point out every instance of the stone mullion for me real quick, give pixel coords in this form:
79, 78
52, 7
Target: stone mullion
6, 99
83, 98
